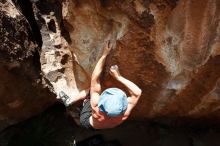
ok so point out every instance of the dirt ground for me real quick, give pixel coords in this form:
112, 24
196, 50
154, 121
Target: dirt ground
55, 128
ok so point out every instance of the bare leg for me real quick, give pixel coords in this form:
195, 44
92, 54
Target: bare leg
70, 100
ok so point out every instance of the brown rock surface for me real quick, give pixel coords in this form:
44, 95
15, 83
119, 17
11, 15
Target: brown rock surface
21, 92
169, 48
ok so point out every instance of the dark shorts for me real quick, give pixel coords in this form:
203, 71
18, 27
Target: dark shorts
85, 115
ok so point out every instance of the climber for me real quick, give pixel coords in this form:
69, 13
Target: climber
111, 107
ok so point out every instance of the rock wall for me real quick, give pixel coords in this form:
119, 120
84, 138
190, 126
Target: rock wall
169, 48
190, 52
21, 91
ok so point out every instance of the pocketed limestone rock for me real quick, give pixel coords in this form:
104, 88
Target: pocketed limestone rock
169, 48
21, 93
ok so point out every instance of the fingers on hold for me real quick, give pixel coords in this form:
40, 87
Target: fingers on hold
114, 67
108, 44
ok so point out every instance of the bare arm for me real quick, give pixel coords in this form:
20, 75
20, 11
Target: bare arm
95, 79
133, 89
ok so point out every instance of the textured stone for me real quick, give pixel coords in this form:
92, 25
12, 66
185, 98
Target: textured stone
169, 48
56, 58
21, 92
190, 52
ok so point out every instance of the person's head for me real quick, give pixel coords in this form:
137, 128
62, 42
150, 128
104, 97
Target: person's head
113, 102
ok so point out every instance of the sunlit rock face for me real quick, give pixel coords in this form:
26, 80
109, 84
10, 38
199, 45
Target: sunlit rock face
169, 48
85, 26
21, 92
189, 49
